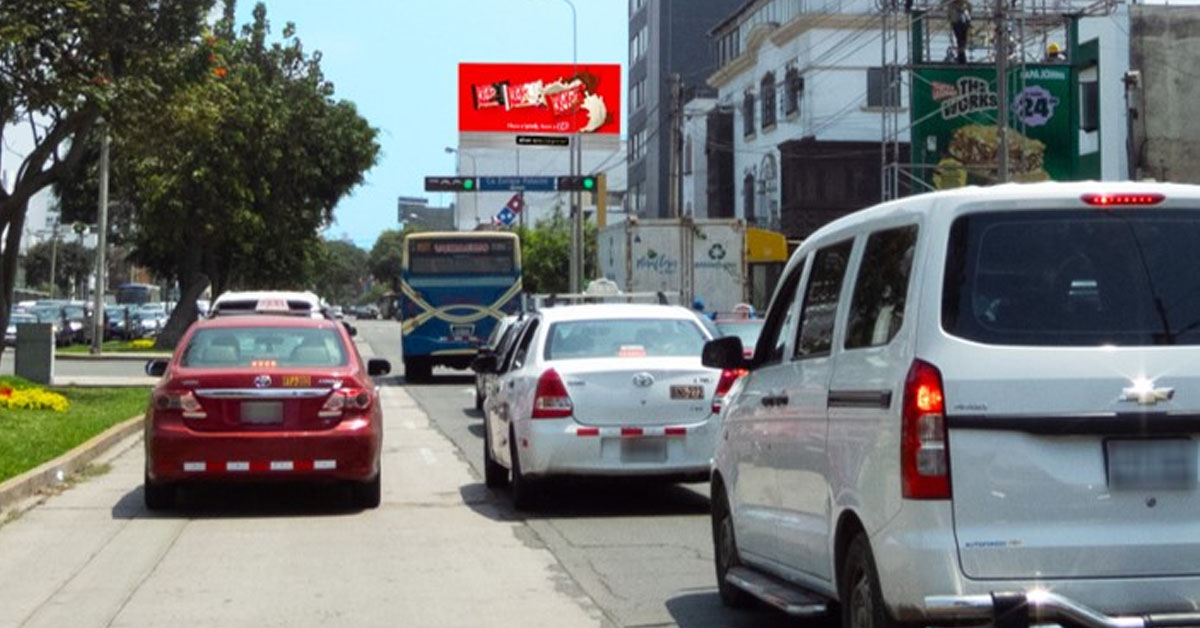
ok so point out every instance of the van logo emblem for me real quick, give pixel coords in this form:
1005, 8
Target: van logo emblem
262, 381
643, 380
1145, 394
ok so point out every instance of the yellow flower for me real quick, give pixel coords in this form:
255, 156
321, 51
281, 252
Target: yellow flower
34, 399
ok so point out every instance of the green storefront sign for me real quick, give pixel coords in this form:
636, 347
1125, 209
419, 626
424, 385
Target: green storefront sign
955, 139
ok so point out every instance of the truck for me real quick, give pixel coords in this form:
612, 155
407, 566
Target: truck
722, 262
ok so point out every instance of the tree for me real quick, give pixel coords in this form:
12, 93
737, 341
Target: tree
233, 178
385, 257
546, 254
66, 63
343, 272
72, 261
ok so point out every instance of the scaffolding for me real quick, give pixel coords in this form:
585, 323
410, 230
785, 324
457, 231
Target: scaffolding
1022, 29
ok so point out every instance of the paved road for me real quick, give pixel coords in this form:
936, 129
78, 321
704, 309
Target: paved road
641, 551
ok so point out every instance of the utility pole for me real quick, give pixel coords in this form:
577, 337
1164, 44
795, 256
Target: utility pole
53, 256
101, 244
1001, 48
674, 195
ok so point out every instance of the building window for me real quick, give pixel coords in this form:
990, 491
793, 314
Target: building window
637, 145
687, 156
637, 94
748, 198
883, 87
1089, 106
728, 47
636, 5
768, 100
639, 43
748, 114
793, 91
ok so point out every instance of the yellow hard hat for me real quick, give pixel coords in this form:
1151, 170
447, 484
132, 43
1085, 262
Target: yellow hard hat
1053, 48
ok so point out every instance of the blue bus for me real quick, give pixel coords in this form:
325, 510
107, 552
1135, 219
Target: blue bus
138, 293
454, 287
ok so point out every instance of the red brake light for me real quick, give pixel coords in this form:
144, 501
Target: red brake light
343, 399
182, 400
724, 384
924, 457
551, 400
1115, 200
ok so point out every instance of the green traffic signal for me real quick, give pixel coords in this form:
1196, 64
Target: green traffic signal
589, 183
468, 184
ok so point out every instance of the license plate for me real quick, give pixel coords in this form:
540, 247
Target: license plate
262, 412
687, 392
643, 450
460, 331
1151, 464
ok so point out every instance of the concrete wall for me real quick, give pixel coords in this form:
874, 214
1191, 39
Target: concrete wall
1165, 48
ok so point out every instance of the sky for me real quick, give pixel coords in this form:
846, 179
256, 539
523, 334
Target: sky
397, 60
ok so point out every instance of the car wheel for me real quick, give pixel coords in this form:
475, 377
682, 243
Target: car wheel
158, 495
478, 399
367, 494
861, 598
494, 473
725, 554
522, 487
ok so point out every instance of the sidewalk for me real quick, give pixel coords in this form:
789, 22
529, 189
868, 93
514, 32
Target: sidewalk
427, 557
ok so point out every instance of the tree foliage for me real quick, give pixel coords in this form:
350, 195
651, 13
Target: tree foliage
385, 257
71, 261
343, 271
546, 254
65, 63
233, 178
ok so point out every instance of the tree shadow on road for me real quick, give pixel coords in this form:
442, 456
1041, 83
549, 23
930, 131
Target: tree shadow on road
703, 609
572, 498
231, 501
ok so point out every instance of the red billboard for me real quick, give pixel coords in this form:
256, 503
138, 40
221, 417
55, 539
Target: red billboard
539, 98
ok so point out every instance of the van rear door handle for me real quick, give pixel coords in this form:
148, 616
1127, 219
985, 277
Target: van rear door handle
772, 401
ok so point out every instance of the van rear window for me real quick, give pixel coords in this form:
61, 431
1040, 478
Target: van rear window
1074, 278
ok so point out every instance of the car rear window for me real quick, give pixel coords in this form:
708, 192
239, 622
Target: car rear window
612, 338
1074, 278
264, 347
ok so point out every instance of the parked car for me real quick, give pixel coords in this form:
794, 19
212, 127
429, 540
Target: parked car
608, 390
54, 315
14, 319
497, 343
974, 406
264, 397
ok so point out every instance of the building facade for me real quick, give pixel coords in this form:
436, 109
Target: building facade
669, 59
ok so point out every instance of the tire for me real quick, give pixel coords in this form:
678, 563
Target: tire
522, 487
725, 555
494, 473
366, 495
158, 495
478, 399
417, 370
858, 587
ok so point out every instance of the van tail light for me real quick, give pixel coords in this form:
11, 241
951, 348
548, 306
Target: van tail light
551, 400
183, 400
924, 451
1121, 199
343, 400
724, 385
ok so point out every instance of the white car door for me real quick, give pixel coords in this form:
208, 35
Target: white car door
503, 405
750, 426
799, 454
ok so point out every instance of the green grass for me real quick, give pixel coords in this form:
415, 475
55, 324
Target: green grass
111, 346
30, 437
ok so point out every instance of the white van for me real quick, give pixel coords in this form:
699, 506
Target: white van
970, 406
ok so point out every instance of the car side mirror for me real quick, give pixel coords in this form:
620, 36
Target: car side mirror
724, 353
156, 367
378, 367
350, 329
485, 363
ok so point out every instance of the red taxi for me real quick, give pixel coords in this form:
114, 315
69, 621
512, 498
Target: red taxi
264, 397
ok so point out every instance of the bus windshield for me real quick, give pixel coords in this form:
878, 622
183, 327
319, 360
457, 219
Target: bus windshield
465, 256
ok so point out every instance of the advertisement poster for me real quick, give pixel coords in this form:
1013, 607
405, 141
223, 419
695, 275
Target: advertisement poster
539, 98
954, 125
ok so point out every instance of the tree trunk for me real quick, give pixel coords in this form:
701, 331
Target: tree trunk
9, 250
184, 313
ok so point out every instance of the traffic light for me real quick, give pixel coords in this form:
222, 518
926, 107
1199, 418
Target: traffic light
577, 184
449, 184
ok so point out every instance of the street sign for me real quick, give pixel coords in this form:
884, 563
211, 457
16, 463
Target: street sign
449, 184
543, 140
516, 184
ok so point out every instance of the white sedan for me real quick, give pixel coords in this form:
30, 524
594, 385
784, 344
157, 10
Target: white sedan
608, 390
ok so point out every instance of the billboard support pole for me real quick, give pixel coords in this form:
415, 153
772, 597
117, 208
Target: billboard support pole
1001, 50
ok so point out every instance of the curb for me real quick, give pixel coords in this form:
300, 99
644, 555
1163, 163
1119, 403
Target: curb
45, 475
131, 357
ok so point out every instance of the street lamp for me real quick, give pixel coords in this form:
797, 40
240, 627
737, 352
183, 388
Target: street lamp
474, 172
576, 266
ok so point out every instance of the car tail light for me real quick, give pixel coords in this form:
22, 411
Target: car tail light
924, 455
343, 399
182, 400
1112, 200
551, 400
724, 384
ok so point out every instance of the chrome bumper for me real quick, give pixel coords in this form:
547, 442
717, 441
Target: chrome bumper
1022, 609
